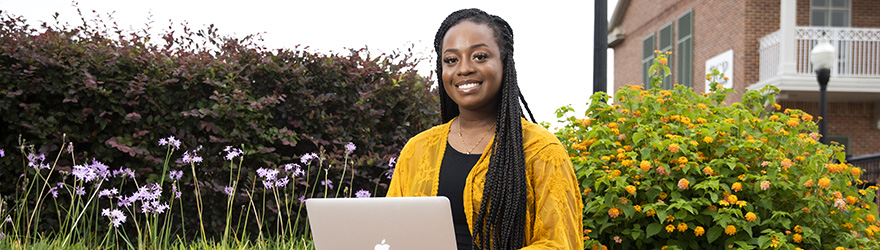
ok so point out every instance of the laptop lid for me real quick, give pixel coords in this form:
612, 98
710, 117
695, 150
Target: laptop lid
381, 223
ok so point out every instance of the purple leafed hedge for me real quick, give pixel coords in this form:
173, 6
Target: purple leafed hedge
116, 93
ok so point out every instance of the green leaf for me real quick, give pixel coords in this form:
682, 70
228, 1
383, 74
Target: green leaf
713, 233
638, 137
628, 210
652, 229
635, 234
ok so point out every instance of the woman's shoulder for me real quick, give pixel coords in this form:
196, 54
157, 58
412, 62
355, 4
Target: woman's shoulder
430, 135
535, 135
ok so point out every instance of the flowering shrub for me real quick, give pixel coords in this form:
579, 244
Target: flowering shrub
675, 169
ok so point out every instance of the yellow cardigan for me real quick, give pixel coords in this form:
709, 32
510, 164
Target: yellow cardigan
555, 208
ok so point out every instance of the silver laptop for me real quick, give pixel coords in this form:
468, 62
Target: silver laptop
382, 223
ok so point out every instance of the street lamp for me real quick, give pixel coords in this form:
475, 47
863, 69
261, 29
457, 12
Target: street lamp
822, 58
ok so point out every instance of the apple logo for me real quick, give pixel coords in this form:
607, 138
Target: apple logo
382, 246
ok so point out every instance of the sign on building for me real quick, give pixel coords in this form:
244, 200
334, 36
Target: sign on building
724, 63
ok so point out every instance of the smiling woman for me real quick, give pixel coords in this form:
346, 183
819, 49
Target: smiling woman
517, 189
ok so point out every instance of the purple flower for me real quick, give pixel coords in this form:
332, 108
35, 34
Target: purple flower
392, 161
302, 199
298, 172
268, 184
154, 207
80, 190
362, 194
389, 173
170, 141
150, 191
91, 172
54, 192
124, 172
194, 158
116, 216
350, 147
268, 174
108, 192
229, 191
175, 192
8, 219
126, 201
281, 182
175, 174
328, 183
306, 158
2, 153
70, 148
36, 161
84, 173
232, 152
289, 166
2, 236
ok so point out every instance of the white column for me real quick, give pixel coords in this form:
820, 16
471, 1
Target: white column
787, 22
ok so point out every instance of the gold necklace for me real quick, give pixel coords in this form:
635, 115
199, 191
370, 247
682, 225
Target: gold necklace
478, 142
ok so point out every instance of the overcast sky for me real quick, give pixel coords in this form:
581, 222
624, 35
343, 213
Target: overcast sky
553, 39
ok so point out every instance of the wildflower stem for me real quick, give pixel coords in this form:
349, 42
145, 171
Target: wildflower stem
198, 200
45, 184
280, 213
73, 227
259, 221
341, 179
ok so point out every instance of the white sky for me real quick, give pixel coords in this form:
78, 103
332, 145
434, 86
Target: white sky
553, 39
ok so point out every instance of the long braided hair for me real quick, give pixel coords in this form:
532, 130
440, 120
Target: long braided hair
501, 221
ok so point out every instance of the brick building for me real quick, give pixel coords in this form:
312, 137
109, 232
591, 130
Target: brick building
758, 43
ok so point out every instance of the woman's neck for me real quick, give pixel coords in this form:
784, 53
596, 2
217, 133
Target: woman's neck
476, 120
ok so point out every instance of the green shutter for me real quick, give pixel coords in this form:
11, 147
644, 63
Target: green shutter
666, 38
647, 59
685, 44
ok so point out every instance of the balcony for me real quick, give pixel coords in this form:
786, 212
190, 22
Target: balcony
855, 76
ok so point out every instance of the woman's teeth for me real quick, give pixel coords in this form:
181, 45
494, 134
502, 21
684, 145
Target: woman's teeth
468, 86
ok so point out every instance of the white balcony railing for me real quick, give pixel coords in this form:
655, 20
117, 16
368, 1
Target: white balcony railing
858, 51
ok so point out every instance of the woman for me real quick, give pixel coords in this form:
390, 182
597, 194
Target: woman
509, 181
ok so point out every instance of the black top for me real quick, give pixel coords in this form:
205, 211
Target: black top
453, 173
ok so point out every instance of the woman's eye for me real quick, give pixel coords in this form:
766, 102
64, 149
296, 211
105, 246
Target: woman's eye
480, 57
450, 60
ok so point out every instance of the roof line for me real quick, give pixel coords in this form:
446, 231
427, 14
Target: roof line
617, 16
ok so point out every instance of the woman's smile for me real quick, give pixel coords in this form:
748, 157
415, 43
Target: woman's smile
468, 86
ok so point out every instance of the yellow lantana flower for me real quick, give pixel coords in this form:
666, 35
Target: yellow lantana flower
682, 227
730, 230
736, 187
645, 165
751, 216
824, 182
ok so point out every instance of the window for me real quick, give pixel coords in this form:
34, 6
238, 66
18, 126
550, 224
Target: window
685, 44
834, 13
647, 59
666, 38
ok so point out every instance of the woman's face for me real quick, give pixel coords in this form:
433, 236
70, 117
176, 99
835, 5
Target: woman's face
472, 67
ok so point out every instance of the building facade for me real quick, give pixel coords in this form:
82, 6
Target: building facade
762, 42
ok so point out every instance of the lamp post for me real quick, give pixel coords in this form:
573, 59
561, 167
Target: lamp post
822, 58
